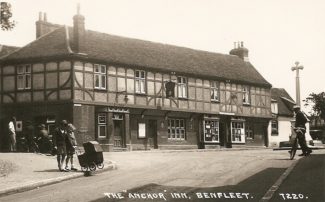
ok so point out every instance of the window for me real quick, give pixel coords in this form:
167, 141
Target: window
140, 81
176, 129
101, 130
211, 131
182, 87
24, 77
246, 95
214, 90
274, 107
274, 127
249, 131
237, 132
100, 76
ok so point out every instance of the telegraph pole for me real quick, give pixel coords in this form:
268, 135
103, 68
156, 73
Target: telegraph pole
297, 68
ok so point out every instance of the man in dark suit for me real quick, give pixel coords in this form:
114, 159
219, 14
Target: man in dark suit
59, 143
300, 126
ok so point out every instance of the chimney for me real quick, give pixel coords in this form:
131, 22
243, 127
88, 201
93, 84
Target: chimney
78, 30
44, 27
240, 51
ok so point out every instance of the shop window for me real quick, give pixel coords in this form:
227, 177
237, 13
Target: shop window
211, 131
237, 132
214, 91
249, 131
176, 129
101, 125
246, 95
182, 87
24, 77
140, 81
274, 127
100, 76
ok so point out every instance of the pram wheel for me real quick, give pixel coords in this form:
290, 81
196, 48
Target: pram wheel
84, 169
100, 166
92, 167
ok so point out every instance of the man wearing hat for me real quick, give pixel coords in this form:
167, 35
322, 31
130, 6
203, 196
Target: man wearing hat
301, 120
59, 139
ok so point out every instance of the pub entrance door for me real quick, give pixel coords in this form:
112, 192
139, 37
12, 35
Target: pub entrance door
118, 134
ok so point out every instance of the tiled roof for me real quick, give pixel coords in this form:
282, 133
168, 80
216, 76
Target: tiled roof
51, 44
139, 53
285, 102
5, 50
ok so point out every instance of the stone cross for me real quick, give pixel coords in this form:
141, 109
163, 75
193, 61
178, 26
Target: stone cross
296, 68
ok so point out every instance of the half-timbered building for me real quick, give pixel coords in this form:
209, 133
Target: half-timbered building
134, 94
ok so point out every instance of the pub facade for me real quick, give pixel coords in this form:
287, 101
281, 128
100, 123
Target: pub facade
130, 94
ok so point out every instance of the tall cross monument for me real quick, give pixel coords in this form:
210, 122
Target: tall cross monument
297, 68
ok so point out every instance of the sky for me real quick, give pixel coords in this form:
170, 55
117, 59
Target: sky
277, 33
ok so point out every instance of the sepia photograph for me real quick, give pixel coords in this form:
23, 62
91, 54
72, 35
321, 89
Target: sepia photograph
162, 100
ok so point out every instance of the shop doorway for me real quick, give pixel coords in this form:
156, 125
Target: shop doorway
152, 134
118, 134
222, 133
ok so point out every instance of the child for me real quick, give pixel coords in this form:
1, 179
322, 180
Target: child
71, 144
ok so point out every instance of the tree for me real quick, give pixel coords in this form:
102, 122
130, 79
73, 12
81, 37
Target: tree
5, 15
317, 103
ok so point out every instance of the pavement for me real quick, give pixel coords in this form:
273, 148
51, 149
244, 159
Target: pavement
32, 170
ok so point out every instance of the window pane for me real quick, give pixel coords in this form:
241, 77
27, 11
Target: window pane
137, 86
102, 131
28, 69
184, 80
103, 69
142, 74
20, 82
179, 79
103, 80
184, 90
137, 73
28, 81
96, 67
97, 81
20, 70
142, 86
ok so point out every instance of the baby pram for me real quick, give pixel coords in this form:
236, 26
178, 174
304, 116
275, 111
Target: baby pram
92, 157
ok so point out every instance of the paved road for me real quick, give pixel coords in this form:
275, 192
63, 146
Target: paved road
249, 173
306, 182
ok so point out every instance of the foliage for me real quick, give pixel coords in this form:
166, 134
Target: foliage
5, 15
317, 103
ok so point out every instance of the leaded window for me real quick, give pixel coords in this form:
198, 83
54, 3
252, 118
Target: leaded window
24, 77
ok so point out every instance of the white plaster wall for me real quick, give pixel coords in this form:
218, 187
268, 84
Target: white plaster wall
284, 131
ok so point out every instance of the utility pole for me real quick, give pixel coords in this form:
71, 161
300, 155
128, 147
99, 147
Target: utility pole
296, 68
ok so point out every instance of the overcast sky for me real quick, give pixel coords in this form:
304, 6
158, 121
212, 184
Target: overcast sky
277, 32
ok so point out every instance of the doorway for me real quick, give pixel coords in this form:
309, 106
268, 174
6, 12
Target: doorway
152, 134
118, 134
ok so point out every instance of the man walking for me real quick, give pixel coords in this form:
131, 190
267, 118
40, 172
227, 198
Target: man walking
59, 142
12, 134
300, 126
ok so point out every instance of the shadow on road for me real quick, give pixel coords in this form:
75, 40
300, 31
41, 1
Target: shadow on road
251, 189
306, 182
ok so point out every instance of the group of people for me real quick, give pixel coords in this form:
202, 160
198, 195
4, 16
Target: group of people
33, 141
63, 142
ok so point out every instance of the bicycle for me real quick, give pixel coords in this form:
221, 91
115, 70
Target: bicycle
294, 140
